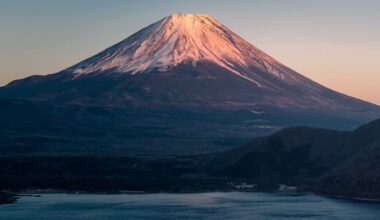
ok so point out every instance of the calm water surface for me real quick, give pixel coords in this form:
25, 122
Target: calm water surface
215, 205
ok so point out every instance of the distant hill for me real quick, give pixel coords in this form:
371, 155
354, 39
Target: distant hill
331, 162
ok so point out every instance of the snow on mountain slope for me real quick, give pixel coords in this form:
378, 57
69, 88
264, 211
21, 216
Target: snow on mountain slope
183, 38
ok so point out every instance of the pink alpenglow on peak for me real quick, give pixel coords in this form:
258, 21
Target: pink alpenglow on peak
182, 38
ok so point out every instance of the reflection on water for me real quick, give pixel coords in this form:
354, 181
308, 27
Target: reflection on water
215, 205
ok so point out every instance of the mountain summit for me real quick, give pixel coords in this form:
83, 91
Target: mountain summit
192, 71
187, 39
182, 38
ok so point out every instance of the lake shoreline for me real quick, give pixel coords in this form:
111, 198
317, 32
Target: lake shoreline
208, 205
12, 197
352, 198
7, 198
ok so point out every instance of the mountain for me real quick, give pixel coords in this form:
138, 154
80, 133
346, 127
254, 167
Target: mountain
189, 77
330, 162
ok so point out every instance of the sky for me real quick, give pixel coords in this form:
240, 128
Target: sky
333, 42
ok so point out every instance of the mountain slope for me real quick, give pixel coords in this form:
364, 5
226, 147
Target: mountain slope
332, 162
358, 176
299, 152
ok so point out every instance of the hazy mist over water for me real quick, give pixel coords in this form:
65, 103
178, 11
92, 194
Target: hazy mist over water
215, 205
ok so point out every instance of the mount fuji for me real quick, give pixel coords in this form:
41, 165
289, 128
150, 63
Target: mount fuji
188, 80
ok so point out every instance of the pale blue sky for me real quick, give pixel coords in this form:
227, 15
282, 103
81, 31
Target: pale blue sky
334, 42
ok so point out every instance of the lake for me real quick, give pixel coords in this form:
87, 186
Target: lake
213, 205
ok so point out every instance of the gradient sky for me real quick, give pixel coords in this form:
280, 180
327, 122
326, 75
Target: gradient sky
334, 42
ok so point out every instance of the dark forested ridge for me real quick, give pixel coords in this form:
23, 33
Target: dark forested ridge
326, 161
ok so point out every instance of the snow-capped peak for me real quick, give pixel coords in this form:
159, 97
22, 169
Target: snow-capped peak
180, 38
